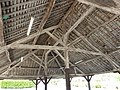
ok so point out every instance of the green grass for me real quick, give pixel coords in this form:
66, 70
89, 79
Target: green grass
16, 84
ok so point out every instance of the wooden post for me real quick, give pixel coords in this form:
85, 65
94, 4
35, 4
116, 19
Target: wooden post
88, 79
45, 79
67, 77
36, 84
67, 69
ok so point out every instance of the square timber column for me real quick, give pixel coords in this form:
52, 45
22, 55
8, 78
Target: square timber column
67, 69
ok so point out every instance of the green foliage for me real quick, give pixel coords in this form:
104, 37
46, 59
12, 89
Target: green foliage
98, 86
118, 78
16, 84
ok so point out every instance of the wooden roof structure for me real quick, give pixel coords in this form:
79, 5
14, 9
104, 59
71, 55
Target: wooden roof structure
81, 34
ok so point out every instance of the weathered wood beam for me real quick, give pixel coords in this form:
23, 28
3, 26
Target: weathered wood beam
2, 42
109, 9
89, 60
45, 18
67, 13
57, 52
58, 63
18, 62
45, 61
107, 22
66, 56
36, 62
28, 38
58, 39
91, 45
78, 22
93, 31
117, 3
26, 46
41, 63
37, 57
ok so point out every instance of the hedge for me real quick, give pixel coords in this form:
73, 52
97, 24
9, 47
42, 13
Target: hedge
16, 84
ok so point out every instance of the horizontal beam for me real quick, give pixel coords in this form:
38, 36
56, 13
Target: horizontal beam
4, 48
109, 9
26, 46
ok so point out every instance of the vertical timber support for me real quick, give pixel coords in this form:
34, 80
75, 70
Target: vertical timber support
45, 81
88, 79
36, 83
67, 77
67, 69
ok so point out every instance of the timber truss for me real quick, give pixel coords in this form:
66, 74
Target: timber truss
67, 41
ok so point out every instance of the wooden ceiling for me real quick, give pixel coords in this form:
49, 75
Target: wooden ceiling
88, 31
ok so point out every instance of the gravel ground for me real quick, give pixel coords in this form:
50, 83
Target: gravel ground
61, 87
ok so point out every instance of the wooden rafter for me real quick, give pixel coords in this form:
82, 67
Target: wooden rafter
93, 31
117, 3
109, 9
2, 42
62, 20
45, 18
91, 45
78, 22
56, 39
36, 62
57, 52
58, 63
96, 58
18, 62
28, 38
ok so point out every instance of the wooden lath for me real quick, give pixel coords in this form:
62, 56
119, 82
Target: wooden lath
109, 9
